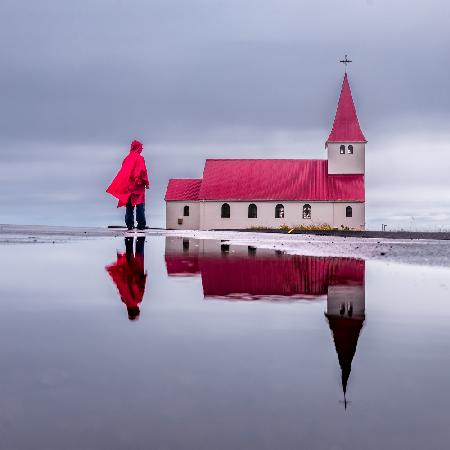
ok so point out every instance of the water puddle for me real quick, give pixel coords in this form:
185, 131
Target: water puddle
176, 343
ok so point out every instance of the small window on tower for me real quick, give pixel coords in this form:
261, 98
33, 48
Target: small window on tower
350, 149
348, 211
342, 150
186, 211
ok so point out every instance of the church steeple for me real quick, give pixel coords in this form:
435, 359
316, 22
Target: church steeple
346, 125
346, 144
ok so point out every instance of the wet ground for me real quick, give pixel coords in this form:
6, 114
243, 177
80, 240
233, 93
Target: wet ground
176, 343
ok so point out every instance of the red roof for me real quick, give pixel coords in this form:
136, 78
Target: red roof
346, 126
183, 189
277, 179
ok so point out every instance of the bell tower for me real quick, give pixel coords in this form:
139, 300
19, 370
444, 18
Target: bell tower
346, 144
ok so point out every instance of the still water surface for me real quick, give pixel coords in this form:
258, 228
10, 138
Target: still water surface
165, 343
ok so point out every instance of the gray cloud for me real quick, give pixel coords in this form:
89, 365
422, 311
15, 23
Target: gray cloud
207, 78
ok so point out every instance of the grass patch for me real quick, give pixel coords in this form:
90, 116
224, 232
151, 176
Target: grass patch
312, 227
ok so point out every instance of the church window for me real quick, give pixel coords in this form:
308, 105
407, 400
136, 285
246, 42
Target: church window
279, 211
186, 211
225, 211
342, 149
307, 211
348, 211
350, 149
185, 245
252, 211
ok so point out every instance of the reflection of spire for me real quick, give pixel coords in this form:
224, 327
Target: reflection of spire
345, 335
345, 402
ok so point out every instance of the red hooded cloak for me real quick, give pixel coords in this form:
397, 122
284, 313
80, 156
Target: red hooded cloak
132, 178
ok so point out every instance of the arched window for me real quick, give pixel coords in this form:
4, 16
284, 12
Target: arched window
306, 211
225, 211
279, 211
350, 149
186, 211
342, 149
252, 211
185, 245
348, 211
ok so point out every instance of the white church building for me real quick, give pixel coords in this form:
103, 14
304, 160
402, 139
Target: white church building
246, 193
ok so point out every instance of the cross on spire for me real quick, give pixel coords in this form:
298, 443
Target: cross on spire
345, 61
345, 402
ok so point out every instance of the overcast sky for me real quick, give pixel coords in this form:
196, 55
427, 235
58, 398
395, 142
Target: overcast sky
218, 78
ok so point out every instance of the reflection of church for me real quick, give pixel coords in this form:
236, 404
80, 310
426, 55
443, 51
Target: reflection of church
246, 273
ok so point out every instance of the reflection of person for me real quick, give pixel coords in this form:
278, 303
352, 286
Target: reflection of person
129, 186
129, 276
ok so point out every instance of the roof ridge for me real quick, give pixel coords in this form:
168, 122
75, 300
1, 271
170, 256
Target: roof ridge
185, 179
266, 159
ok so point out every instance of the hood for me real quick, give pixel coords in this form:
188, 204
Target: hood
136, 146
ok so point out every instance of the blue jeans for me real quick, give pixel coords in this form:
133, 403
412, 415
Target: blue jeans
140, 215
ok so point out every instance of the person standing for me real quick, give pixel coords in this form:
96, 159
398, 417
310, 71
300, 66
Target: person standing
129, 186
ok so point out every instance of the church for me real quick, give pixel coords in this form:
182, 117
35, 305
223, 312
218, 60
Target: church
251, 193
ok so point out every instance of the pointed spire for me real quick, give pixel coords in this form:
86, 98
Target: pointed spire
346, 126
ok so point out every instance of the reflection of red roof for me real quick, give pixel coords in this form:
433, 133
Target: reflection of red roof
255, 277
346, 125
347, 271
182, 265
258, 277
183, 189
277, 179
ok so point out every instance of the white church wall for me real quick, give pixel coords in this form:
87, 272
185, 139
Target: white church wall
346, 163
357, 221
330, 213
174, 211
